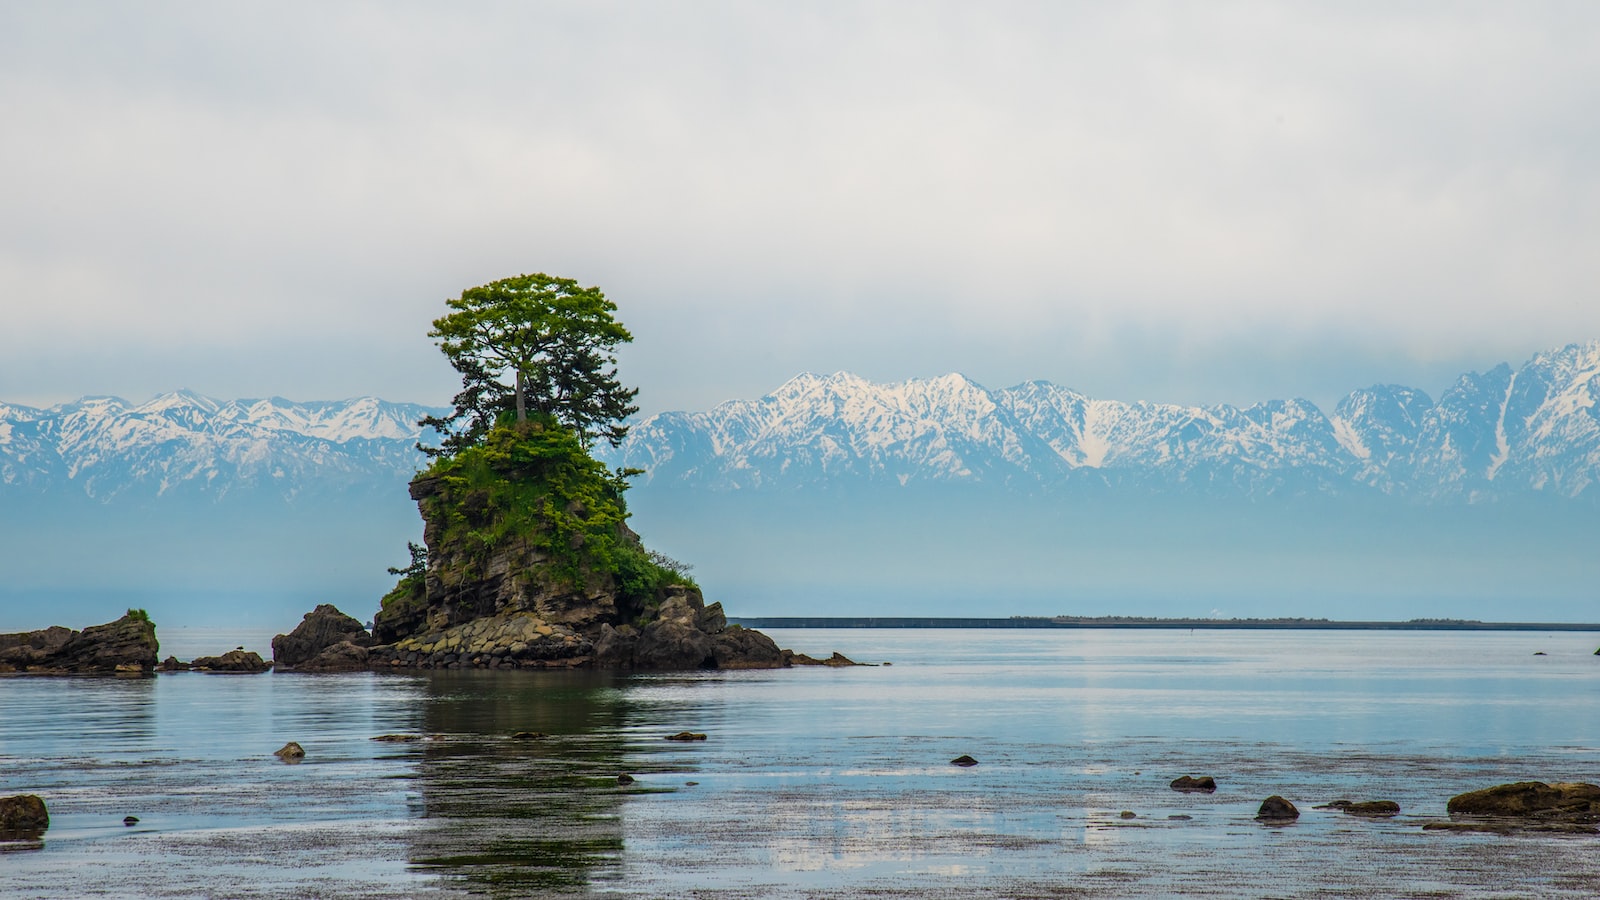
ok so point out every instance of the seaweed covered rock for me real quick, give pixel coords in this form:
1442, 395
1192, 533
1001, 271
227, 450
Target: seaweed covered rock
321, 629
1574, 802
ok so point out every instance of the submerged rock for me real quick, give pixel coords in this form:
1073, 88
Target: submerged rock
686, 736
126, 646
290, 751
964, 761
22, 817
323, 629
1277, 809
1189, 784
243, 661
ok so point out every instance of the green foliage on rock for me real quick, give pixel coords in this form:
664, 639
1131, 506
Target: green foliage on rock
536, 483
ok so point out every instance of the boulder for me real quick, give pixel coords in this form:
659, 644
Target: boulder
22, 817
319, 630
613, 647
345, 656
745, 648
1277, 809
1189, 784
243, 661
290, 752
172, 664
1569, 802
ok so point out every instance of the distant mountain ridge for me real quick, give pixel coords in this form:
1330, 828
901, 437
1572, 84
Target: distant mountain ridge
1533, 430
1504, 432
186, 445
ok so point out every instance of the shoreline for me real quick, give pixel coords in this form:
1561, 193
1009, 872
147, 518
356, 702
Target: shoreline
1150, 623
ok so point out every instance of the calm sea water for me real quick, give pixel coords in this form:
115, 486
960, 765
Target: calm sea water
820, 782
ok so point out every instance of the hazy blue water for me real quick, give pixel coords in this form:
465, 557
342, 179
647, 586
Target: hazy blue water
821, 782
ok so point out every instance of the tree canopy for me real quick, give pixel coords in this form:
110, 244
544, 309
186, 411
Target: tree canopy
556, 343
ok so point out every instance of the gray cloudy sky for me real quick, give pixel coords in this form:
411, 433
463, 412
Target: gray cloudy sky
1188, 202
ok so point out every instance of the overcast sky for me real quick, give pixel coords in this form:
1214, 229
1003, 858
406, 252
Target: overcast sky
1217, 202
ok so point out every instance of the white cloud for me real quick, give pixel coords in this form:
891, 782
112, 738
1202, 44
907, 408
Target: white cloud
1161, 200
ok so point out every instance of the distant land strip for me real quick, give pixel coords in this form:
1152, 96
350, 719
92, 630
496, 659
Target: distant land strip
1140, 622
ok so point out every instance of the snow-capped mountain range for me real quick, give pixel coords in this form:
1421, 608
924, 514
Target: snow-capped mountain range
183, 444
1534, 429
1504, 432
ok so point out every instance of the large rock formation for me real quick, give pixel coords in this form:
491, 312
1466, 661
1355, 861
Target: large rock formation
326, 640
529, 564
126, 646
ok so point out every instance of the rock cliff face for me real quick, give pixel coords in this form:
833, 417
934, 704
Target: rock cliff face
516, 605
126, 646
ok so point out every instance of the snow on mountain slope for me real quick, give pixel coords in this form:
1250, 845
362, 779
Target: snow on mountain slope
1501, 433
1498, 433
186, 444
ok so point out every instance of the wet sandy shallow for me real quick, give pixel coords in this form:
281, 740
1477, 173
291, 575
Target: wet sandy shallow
811, 784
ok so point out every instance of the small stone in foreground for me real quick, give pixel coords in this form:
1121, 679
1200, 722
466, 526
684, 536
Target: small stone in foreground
964, 761
624, 778
290, 751
529, 736
1277, 809
686, 736
130, 821
398, 738
1128, 814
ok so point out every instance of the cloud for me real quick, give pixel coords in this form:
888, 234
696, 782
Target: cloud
1016, 191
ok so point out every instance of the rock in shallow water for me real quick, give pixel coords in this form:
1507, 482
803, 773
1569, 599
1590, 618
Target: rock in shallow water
964, 761
243, 661
1575, 801
22, 817
1277, 809
1188, 784
322, 629
126, 646
290, 751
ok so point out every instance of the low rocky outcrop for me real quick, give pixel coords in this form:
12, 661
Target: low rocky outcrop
126, 646
1189, 784
1368, 809
837, 660
1277, 809
246, 662
23, 817
1575, 802
172, 664
322, 630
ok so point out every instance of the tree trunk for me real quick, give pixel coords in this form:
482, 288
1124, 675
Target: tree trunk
522, 409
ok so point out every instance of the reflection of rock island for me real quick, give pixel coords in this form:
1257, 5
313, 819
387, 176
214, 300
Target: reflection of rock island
528, 564
517, 784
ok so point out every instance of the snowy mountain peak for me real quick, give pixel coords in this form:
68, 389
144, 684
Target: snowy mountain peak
1498, 433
